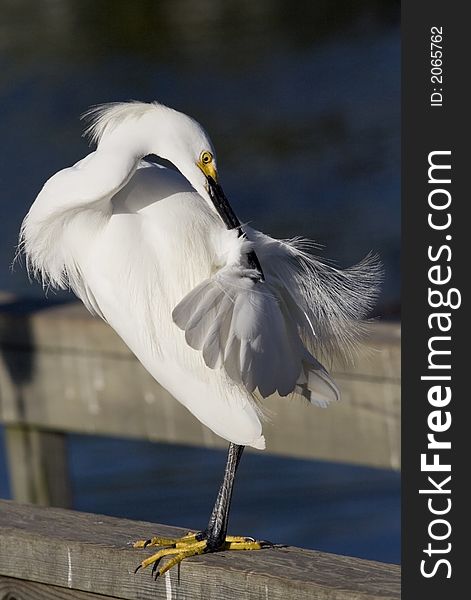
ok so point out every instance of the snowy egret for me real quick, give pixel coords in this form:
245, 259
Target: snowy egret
219, 314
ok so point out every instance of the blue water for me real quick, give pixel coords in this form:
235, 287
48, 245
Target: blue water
302, 101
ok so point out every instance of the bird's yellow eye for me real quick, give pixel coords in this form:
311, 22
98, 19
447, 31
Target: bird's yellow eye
206, 164
206, 157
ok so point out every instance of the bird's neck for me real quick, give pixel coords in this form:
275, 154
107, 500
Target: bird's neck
118, 155
133, 139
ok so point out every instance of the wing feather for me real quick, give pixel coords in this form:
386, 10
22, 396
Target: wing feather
246, 327
265, 334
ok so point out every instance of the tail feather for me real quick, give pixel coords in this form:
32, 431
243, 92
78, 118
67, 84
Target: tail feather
335, 302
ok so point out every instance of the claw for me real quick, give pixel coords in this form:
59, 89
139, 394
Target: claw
192, 544
155, 567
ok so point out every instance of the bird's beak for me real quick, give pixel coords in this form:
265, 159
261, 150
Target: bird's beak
224, 210
221, 204
218, 198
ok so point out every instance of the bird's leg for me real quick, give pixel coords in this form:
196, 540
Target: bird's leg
214, 537
215, 532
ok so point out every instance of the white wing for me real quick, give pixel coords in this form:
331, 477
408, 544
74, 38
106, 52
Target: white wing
335, 302
264, 333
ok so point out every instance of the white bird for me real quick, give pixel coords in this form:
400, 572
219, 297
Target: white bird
218, 313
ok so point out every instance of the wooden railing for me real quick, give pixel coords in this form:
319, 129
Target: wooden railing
61, 554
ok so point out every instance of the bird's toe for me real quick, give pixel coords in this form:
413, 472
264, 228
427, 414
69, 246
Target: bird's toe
192, 544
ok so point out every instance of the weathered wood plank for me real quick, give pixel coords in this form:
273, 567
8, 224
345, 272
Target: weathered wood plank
91, 553
37, 465
60, 369
18, 589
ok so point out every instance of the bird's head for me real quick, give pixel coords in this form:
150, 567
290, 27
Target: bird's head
142, 129
183, 141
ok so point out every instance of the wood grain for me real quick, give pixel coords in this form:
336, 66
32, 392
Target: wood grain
91, 553
18, 589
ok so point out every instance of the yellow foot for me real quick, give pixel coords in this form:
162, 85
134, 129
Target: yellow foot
160, 541
189, 545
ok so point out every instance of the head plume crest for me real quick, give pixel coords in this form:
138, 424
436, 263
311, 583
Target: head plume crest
102, 119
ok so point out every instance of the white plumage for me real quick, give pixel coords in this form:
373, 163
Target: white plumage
144, 248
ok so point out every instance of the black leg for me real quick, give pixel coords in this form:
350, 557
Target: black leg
213, 538
215, 533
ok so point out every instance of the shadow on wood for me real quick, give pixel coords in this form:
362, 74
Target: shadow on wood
37, 460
